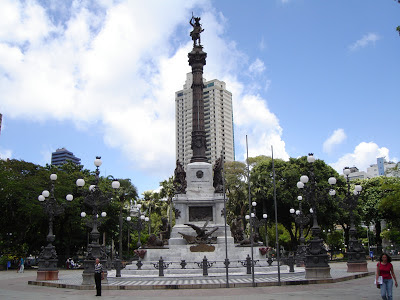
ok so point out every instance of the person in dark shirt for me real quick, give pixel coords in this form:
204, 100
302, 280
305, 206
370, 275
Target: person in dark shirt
98, 276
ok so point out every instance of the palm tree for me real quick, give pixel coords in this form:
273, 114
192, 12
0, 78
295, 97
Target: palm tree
167, 192
151, 202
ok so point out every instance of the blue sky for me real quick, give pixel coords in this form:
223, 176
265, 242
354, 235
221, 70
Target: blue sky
98, 77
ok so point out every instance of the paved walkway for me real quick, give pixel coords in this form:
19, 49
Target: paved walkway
14, 286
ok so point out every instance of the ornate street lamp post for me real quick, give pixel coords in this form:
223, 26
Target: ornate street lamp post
95, 199
258, 223
316, 255
139, 225
356, 261
255, 224
251, 218
301, 220
47, 265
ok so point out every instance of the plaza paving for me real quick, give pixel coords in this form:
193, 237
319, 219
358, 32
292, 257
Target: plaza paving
15, 286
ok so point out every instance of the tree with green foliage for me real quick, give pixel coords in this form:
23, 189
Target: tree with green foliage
236, 190
124, 195
287, 174
390, 203
167, 192
392, 235
155, 209
344, 218
334, 240
375, 190
21, 183
69, 230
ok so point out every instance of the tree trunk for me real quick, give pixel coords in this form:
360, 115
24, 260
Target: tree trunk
378, 230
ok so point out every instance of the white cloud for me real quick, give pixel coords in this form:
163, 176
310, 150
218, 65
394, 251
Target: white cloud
252, 118
363, 156
366, 40
122, 76
257, 67
27, 20
262, 45
5, 153
337, 137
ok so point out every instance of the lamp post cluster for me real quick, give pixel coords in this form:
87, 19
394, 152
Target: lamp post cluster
47, 265
256, 223
139, 225
95, 199
254, 226
356, 261
301, 220
316, 261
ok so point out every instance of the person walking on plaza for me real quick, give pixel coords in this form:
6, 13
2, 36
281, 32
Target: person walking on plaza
384, 268
21, 266
98, 276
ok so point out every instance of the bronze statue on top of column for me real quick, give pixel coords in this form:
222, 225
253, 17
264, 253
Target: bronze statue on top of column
195, 33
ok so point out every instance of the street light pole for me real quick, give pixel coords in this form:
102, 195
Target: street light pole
356, 261
316, 255
47, 265
138, 225
250, 210
300, 219
95, 199
276, 217
225, 221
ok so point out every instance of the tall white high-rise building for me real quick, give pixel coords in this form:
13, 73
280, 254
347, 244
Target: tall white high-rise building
218, 121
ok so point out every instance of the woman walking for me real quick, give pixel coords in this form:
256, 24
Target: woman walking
384, 268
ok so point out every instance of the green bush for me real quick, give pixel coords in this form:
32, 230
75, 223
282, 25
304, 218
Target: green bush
5, 258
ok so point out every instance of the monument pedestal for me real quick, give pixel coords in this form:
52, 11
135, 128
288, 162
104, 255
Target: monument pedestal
317, 266
47, 266
356, 261
357, 267
318, 272
199, 205
88, 279
47, 275
88, 272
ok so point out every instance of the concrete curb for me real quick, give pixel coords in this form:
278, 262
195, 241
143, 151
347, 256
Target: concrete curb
192, 284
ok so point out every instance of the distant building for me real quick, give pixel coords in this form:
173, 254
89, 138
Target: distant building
393, 172
381, 168
62, 155
380, 162
355, 173
218, 121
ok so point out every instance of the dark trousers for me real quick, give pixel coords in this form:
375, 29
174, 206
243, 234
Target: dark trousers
97, 280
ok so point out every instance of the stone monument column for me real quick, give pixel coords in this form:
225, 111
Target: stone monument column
197, 60
200, 203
